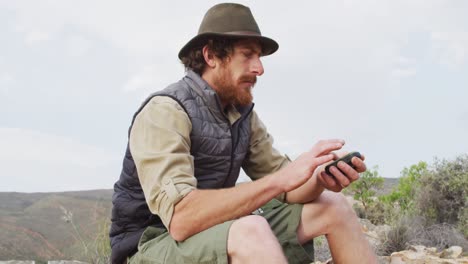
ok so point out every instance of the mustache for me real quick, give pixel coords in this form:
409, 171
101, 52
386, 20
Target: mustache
247, 78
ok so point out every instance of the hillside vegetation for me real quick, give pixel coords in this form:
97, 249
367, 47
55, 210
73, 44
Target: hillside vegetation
48, 226
428, 206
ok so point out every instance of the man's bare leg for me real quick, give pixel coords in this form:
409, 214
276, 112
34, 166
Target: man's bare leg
332, 216
251, 240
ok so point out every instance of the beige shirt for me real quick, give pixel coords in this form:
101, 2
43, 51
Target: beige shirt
160, 146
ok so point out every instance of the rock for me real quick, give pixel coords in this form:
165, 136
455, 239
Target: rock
366, 225
407, 255
418, 254
372, 233
451, 252
376, 235
382, 230
417, 248
17, 262
383, 259
432, 251
330, 261
65, 262
396, 260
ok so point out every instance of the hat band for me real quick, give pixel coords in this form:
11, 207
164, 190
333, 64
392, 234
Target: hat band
240, 33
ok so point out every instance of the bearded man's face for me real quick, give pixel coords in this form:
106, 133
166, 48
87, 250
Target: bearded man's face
238, 73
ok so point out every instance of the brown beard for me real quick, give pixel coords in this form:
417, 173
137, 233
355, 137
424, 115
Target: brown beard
228, 91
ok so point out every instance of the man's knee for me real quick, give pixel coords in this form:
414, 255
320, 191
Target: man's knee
332, 207
251, 227
249, 232
338, 208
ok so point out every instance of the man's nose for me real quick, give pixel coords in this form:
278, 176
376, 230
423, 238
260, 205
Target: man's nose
257, 67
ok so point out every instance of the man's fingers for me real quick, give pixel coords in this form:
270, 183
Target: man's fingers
339, 176
330, 183
359, 164
348, 171
322, 159
326, 146
328, 179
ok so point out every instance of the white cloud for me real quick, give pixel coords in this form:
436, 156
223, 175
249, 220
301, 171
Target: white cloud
450, 48
147, 77
290, 147
137, 28
404, 72
6, 80
405, 61
78, 45
154, 77
35, 37
463, 117
404, 67
30, 158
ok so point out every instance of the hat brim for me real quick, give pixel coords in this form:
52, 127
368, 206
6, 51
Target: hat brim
269, 46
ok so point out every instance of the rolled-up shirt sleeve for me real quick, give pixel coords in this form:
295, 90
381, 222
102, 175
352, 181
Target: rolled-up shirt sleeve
262, 158
160, 146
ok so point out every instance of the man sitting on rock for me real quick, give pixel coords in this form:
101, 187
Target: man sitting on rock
177, 200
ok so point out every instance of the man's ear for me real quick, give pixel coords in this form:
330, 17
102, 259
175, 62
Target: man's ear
210, 59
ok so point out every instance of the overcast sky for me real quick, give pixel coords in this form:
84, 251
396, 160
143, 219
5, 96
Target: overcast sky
389, 77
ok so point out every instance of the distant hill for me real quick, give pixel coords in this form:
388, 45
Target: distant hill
48, 226
389, 183
41, 226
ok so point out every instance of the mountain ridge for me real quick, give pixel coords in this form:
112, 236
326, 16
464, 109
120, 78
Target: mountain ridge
62, 225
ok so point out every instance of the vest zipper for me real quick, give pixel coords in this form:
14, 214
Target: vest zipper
234, 145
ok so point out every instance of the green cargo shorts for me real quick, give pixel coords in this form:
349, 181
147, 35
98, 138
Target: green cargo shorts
210, 246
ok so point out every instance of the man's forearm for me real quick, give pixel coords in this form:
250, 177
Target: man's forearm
202, 209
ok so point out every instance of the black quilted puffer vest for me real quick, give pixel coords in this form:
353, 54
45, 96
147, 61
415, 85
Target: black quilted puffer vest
218, 149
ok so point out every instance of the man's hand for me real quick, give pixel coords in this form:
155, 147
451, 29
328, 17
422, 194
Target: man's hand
300, 170
343, 176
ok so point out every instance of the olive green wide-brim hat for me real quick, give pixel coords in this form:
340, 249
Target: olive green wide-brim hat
229, 20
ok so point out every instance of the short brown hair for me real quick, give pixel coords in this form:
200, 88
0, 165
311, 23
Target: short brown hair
221, 48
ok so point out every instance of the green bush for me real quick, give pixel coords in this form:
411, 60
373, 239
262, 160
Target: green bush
398, 238
101, 244
440, 236
403, 194
443, 193
413, 230
380, 213
364, 189
428, 207
463, 221
359, 210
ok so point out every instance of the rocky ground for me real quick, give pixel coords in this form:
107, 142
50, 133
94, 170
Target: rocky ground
421, 255
416, 254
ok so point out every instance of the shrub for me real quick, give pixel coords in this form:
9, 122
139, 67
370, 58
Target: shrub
359, 210
365, 188
412, 230
440, 236
403, 193
433, 204
443, 193
398, 237
380, 213
463, 221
